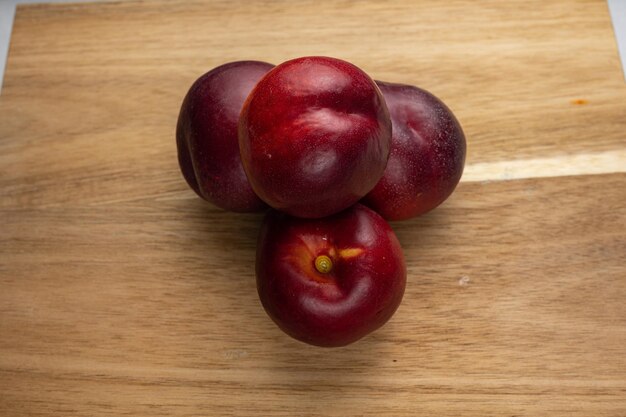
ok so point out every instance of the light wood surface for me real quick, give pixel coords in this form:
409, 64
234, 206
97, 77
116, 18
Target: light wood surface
121, 293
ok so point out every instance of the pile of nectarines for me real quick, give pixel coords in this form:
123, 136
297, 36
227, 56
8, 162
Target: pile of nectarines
330, 154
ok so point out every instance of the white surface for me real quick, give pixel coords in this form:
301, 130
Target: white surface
618, 16
7, 13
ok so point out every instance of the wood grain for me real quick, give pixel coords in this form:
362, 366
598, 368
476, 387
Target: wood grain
515, 304
124, 294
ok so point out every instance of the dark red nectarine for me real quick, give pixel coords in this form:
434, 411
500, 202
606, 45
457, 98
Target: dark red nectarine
314, 136
206, 135
427, 154
331, 281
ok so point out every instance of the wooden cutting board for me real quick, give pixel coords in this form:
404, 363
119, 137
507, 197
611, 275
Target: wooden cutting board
121, 293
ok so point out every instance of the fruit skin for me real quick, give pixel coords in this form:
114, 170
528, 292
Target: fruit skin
314, 136
359, 294
206, 135
427, 154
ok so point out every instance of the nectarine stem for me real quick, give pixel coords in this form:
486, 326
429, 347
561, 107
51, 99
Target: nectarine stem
323, 264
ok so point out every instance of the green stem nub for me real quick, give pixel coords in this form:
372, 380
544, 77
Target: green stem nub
323, 264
